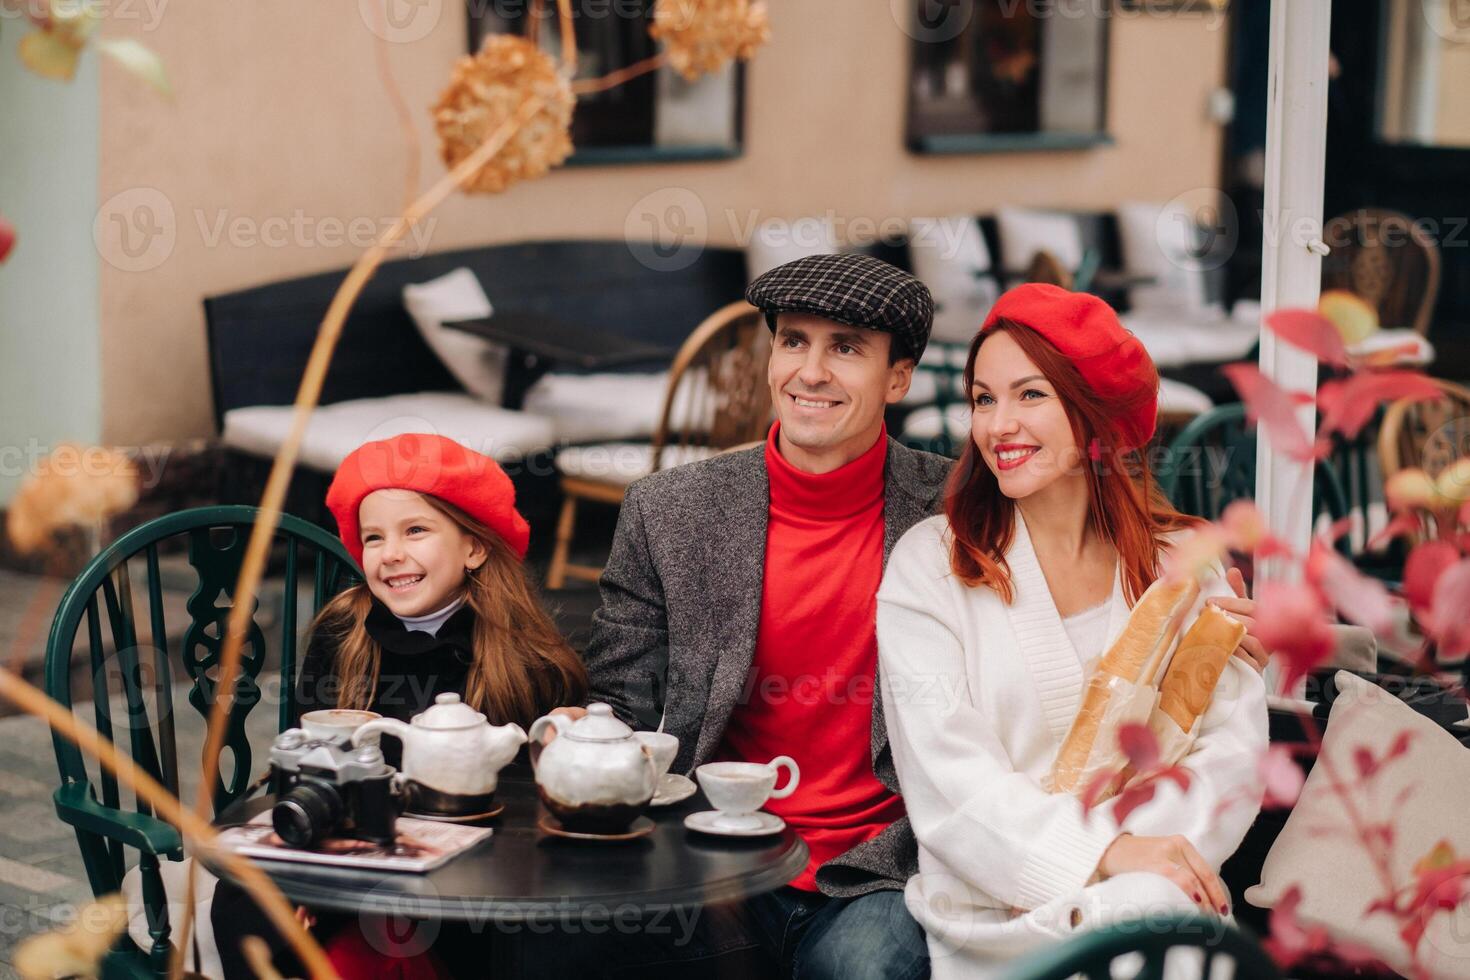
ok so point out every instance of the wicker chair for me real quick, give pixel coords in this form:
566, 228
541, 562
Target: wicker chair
1427, 434
1386, 259
717, 400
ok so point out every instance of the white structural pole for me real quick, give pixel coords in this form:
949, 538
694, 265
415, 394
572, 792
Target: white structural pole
1296, 151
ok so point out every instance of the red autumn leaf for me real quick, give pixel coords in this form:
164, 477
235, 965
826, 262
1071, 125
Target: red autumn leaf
1400, 745
7, 238
1348, 405
1358, 598
1281, 776
1272, 407
1422, 569
1102, 787
1140, 745
1292, 623
1447, 621
1132, 798
1403, 524
1363, 759
1310, 331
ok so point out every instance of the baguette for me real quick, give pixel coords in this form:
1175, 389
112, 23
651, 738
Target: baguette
1139, 649
1189, 683
1152, 626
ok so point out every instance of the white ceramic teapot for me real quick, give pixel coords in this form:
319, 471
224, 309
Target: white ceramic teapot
450, 747
595, 776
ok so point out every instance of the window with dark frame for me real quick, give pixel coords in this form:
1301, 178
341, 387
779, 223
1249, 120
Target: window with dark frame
654, 117
998, 75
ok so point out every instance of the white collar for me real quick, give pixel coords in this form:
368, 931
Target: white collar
432, 622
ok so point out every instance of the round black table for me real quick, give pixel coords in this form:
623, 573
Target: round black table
523, 874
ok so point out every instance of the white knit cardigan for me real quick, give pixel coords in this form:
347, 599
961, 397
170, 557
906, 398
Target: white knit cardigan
978, 697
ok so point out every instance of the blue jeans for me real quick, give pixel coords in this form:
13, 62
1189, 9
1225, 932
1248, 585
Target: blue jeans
814, 937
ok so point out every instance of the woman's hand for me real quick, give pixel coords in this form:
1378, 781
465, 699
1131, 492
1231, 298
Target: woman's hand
1243, 608
1173, 857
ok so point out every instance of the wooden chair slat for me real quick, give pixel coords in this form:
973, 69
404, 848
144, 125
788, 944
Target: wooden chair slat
163, 674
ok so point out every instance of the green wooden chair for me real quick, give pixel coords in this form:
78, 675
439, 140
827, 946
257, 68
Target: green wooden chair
214, 539
1212, 462
1092, 954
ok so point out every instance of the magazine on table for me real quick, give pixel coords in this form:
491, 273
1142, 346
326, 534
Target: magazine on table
421, 845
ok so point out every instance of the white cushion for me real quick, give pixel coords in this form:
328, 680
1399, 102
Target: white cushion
1178, 398
925, 423
1162, 241
599, 407
476, 363
175, 887
1178, 336
777, 241
1317, 850
1024, 232
623, 463
336, 430
924, 389
946, 254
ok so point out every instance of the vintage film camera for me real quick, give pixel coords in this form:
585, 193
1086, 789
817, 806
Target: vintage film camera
326, 787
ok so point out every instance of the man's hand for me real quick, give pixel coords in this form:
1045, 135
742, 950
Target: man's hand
571, 712
1243, 608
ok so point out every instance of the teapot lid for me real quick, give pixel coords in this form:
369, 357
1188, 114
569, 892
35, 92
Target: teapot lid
448, 711
599, 725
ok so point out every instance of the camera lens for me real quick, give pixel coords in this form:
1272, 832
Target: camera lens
307, 813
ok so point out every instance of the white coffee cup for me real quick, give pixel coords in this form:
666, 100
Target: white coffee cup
338, 723
662, 746
738, 789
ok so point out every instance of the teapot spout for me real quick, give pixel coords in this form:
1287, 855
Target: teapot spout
502, 742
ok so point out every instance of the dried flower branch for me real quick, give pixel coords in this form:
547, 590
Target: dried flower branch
74, 485
702, 36
496, 85
77, 949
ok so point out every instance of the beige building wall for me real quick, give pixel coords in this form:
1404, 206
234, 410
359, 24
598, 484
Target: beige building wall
280, 136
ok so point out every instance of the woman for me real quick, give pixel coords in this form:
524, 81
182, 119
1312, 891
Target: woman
991, 618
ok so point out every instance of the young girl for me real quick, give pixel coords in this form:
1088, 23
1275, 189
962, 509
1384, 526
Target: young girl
991, 617
445, 605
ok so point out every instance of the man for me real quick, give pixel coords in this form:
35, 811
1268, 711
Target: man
738, 604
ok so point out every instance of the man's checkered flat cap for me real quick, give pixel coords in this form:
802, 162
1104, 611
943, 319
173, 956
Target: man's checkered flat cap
854, 289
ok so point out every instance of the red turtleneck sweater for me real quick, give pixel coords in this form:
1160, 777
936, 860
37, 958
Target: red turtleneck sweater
809, 694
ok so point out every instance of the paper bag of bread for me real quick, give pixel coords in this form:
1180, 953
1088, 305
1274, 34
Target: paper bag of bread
1189, 682
1122, 689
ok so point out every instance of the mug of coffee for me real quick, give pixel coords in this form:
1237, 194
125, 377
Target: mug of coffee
662, 746
338, 723
738, 789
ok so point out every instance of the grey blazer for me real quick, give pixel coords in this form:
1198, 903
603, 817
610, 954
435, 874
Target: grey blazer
676, 632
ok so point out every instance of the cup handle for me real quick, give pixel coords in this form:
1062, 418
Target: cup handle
791, 767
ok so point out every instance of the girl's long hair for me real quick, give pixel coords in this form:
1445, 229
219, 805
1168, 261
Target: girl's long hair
521, 666
1125, 506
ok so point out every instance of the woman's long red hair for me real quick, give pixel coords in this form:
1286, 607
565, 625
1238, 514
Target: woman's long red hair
1126, 507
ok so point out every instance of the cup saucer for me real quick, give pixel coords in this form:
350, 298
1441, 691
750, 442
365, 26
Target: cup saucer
640, 827
494, 811
716, 822
673, 788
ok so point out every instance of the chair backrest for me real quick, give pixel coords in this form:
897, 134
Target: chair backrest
717, 396
1212, 462
1093, 954
1388, 260
1426, 434
118, 656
